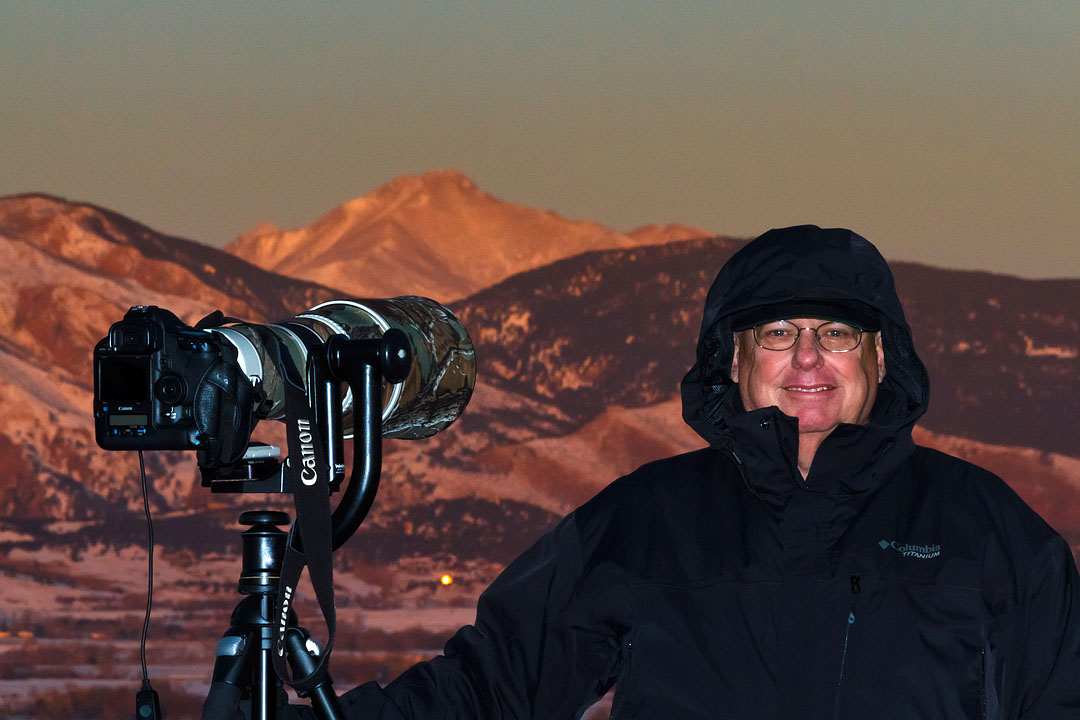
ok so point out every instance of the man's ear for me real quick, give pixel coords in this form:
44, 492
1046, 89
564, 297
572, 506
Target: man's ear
735, 359
880, 357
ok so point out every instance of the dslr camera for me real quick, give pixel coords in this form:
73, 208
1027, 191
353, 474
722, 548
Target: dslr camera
162, 385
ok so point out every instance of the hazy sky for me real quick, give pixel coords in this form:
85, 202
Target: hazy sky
946, 132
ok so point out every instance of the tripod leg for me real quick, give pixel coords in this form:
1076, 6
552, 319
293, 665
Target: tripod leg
232, 669
244, 683
323, 698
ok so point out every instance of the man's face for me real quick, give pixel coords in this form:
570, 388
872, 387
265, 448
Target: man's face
821, 388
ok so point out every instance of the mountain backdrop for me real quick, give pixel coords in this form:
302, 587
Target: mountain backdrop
438, 231
582, 335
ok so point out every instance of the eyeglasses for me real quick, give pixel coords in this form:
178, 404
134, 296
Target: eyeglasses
834, 337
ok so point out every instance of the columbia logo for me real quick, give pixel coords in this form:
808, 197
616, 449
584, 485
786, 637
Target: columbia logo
923, 552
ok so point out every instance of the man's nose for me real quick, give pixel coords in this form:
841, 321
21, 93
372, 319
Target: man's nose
808, 352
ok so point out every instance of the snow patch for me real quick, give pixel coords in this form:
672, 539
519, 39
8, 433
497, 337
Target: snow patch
1064, 352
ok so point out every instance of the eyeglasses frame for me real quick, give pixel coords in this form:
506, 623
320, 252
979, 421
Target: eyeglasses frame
817, 337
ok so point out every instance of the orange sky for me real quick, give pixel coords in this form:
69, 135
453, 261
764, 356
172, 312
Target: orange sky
945, 132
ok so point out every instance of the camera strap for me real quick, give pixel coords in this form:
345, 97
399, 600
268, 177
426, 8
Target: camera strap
310, 541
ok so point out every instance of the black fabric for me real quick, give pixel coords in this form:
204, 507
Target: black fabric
895, 582
851, 312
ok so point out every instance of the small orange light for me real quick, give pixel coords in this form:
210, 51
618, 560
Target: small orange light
446, 580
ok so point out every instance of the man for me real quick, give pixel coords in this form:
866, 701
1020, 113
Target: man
812, 562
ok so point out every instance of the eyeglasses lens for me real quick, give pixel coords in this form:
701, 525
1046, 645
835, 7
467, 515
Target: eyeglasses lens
832, 336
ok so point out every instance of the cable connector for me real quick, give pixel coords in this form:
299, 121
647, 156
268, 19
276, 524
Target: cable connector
147, 706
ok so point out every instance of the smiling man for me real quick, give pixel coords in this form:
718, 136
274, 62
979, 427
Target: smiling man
811, 562
824, 377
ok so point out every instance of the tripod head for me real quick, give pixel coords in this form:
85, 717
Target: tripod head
243, 671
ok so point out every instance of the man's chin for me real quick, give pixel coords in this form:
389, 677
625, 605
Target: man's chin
819, 430
816, 424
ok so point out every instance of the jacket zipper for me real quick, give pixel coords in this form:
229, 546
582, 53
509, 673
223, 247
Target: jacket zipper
855, 590
982, 683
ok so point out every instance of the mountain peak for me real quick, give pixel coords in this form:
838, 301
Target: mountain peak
432, 181
447, 188
435, 234
661, 234
447, 178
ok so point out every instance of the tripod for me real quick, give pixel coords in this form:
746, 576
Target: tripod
244, 670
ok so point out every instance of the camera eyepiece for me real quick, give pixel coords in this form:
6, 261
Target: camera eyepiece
170, 389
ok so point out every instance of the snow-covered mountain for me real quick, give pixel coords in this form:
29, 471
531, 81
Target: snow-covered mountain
435, 234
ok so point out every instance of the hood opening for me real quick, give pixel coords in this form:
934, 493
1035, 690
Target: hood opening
788, 266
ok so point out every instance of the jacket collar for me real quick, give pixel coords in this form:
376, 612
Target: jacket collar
853, 459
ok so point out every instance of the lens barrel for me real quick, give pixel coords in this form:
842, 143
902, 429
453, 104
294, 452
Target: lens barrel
441, 373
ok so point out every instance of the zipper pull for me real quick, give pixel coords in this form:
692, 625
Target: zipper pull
855, 590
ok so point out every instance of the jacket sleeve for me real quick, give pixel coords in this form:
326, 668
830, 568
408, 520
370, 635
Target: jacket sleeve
544, 644
1047, 637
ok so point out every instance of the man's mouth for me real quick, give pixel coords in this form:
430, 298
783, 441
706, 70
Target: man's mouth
807, 388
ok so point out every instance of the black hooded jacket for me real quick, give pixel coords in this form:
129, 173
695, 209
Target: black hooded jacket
894, 582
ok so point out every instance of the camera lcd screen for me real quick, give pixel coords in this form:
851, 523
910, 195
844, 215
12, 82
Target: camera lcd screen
124, 379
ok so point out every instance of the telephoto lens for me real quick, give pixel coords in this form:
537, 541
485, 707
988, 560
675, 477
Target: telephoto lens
435, 391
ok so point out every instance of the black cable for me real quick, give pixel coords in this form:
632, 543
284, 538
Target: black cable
150, 576
147, 704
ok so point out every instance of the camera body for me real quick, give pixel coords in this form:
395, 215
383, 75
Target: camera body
158, 385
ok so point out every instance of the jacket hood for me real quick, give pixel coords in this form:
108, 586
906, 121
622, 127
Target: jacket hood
803, 264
